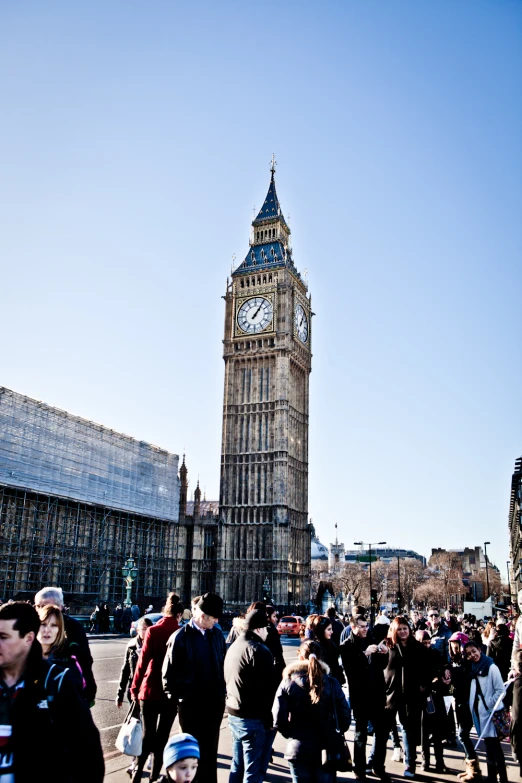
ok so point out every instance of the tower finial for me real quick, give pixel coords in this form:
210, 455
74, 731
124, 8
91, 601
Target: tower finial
273, 164
336, 542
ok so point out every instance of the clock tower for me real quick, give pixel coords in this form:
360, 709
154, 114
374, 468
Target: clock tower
265, 543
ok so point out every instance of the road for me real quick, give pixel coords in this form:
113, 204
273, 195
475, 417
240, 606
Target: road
108, 657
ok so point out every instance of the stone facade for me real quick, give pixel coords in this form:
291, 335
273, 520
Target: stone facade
515, 525
263, 513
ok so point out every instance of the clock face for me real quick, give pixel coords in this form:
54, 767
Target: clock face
255, 314
301, 323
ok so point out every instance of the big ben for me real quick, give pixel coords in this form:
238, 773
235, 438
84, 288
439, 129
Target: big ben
264, 547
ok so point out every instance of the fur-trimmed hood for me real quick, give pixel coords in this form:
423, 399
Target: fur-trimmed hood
300, 668
238, 624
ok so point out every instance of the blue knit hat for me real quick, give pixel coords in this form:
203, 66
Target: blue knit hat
180, 746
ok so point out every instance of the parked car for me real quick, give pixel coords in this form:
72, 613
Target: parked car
154, 616
292, 626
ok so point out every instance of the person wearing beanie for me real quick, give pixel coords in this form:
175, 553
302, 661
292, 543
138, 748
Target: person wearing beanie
181, 757
193, 680
249, 679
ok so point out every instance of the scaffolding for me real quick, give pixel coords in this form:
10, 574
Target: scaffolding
81, 547
51, 452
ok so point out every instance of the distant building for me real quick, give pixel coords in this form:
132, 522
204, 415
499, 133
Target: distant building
515, 523
319, 551
336, 553
472, 560
386, 554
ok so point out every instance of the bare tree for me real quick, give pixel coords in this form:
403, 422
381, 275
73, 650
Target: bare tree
353, 578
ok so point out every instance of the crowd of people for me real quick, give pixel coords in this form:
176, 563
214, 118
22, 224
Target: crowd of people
425, 679
419, 678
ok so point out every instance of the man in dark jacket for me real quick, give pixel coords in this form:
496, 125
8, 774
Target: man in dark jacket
439, 633
193, 677
367, 696
75, 633
249, 675
41, 711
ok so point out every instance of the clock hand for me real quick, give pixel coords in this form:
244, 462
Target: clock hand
301, 321
256, 312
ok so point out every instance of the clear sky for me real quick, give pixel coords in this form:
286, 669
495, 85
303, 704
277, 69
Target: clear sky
135, 140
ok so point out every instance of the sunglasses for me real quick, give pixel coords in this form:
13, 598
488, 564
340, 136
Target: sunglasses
433, 615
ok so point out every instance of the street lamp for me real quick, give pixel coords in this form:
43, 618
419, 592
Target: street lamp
375, 543
130, 574
487, 573
266, 588
399, 596
508, 563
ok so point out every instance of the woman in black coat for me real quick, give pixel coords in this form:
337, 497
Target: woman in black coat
304, 713
323, 629
407, 675
500, 648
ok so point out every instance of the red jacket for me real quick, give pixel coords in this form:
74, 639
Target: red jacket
147, 677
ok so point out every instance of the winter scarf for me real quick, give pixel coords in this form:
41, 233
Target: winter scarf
482, 666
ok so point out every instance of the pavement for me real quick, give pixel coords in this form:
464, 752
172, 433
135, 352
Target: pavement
108, 657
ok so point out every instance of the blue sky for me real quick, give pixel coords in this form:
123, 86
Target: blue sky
135, 141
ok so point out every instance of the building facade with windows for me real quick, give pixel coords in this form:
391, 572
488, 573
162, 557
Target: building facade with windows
263, 505
76, 499
515, 530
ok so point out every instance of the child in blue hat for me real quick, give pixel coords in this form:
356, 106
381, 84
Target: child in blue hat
181, 756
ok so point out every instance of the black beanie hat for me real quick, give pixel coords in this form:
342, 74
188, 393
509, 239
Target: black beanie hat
255, 619
211, 604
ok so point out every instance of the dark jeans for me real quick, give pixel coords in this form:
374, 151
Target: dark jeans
495, 760
202, 718
431, 731
302, 772
248, 744
157, 718
380, 737
469, 748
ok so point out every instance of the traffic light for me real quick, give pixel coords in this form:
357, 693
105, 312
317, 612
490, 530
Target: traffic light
373, 597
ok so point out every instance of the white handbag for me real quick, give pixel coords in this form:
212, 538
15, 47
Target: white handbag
130, 736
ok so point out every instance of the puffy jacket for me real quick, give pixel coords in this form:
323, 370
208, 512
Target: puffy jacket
306, 725
249, 666
147, 677
180, 665
49, 716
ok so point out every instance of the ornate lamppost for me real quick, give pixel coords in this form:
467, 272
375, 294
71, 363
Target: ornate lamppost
130, 574
266, 589
372, 602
